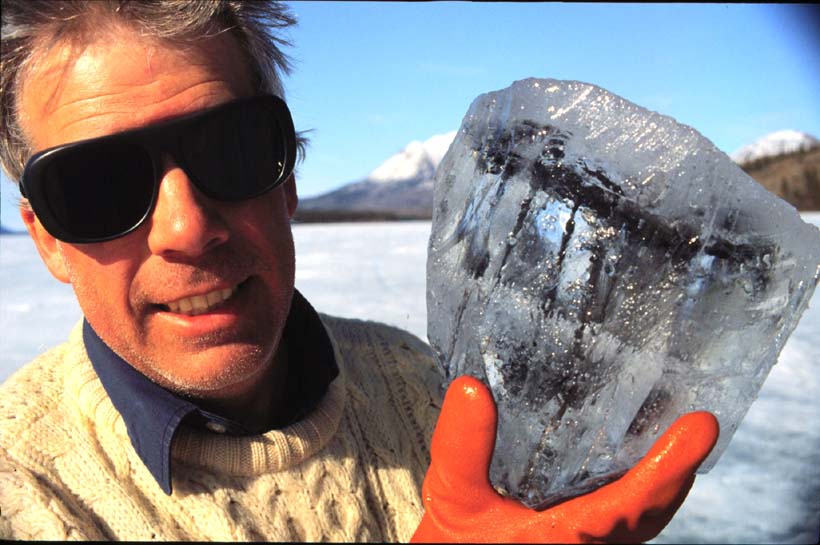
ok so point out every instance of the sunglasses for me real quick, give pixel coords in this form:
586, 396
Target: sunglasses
104, 188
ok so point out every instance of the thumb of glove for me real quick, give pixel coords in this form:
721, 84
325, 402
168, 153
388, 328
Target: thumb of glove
463, 444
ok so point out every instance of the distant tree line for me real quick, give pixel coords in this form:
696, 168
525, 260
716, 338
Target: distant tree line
792, 176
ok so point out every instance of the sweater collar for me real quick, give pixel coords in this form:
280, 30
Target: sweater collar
152, 414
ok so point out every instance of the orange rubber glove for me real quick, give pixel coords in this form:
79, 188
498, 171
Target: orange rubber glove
461, 505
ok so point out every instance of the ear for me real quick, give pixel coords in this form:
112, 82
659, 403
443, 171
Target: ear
47, 245
291, 198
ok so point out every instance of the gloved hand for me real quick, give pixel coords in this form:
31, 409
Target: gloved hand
461, 505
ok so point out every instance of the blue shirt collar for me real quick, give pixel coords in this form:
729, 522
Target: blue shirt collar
153, 414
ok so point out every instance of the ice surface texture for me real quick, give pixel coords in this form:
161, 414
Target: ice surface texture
604, 269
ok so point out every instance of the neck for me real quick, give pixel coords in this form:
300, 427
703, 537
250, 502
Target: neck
261, 406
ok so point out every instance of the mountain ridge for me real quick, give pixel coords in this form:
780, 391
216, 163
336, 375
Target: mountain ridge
792, 176
402, 186
774, 144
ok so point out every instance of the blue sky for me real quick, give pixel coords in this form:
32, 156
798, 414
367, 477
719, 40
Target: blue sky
370, 77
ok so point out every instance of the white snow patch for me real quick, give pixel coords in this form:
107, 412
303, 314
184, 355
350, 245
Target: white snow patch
417, 160
776, 143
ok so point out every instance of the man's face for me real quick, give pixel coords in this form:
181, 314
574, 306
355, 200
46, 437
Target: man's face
192, 250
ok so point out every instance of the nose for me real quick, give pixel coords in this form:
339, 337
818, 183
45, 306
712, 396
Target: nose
185, 223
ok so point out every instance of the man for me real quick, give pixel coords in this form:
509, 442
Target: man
202, 398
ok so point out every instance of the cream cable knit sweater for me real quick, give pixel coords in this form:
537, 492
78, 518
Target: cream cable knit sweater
350, 471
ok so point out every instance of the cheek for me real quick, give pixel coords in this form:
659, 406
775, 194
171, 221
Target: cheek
265, 223
101, 282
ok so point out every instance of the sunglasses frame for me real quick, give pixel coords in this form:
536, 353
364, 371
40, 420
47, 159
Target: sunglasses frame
156, 140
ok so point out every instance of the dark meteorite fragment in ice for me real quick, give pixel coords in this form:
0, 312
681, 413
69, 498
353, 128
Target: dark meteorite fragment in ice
604, 269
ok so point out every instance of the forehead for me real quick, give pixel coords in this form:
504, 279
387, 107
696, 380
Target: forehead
120, 80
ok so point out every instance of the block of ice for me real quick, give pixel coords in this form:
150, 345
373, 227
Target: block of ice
604, 269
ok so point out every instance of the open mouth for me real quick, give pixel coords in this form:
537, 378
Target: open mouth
199, 304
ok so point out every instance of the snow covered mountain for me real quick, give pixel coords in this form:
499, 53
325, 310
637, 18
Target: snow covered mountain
774, 144
402, 185
416, 161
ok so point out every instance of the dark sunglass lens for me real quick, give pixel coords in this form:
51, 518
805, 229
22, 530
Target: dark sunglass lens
100, 191
238, 154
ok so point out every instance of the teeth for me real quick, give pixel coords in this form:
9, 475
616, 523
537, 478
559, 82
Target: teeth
199, 304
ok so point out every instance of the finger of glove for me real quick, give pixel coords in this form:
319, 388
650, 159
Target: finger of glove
464, 437
673, 459
647, 496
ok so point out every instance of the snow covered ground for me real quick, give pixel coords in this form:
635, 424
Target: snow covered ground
765, 488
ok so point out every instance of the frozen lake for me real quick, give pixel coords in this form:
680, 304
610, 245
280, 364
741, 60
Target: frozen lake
765, 488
